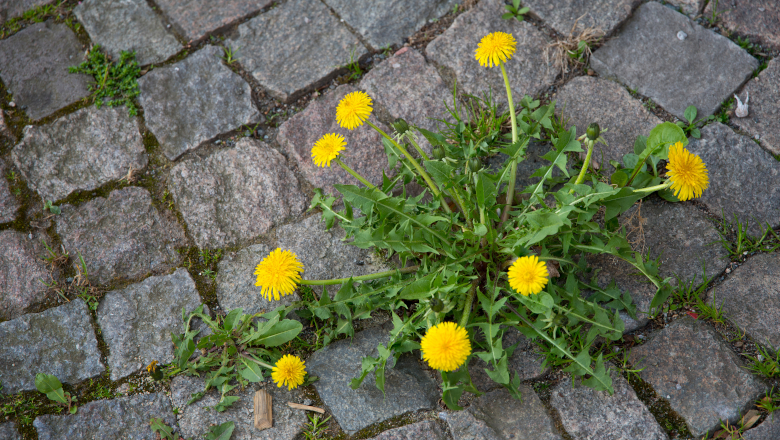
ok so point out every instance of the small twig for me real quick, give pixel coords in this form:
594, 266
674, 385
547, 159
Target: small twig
305, 407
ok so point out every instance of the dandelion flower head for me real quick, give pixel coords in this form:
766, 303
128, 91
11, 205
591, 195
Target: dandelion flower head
289, 371
687, 172
446, 346
327, 148
495, 48
528, 275
278, 274
353, 110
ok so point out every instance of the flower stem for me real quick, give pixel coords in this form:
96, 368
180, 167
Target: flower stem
371, 276
510, 191
417, 147
585, 165
650, 189
464, 318
354, 173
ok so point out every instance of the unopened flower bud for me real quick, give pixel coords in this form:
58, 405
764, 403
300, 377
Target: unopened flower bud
593, 131
439, 152
400, 126
475, 164
437, 305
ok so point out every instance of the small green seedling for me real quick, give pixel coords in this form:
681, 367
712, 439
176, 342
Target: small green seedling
230, 55
48, 205
515, 11
692, 126
115, 82
51, 386
316, 427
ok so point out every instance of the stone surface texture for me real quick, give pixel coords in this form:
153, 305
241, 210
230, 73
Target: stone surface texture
35, 65
763, 120
687, 7
527, 70
125, 418
497, 416
769, 429
388, 22
21, 272
8, 203
363, 153
751, 298
137, 321
296, 46
532, 162
196, 18
639, 58
566, 16
744, 178
525, 362
130, 25
704, 381
587, 99
122, 236
80, 152
196, 418
194, 100
58, 341
8, 431
15, 8
427, 429
407, 387
589, 414
235, 194
757, 19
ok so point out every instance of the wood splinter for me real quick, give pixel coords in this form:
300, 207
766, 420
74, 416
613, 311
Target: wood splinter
305, 407
263, 410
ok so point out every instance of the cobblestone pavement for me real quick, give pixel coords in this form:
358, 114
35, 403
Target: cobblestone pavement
216, 166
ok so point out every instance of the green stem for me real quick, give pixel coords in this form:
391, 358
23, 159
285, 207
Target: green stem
417, 147
650, 189
464, 319
510, 191
354, 173
261, 363
371, 276
585, 165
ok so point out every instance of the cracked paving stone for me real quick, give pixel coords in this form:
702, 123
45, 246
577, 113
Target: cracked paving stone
194, 100
295, 47
769, 429
744, 178
196, 18
589, 414
8, 430
8, 203
235, 194
80, 152
648, 56
34, 68
689, 365
130, 25
407, 386
750, 297
196, 418
363, 153
755, 19
527, 70
58, 341
21, 272
562, 15
763, 120
525, 362
122, 236
125, 418
427, 429
137, 334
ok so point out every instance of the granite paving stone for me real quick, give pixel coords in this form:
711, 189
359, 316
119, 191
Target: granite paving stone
295, 47
21, 272
750, 297
4, 130
130, 25
80, 152
58, 341
194, 100
586, 99
589, 414
687, 7
8, 431
565, 15
498, 416
769, 429
34, 68
122, 236
744, 178
763, 120
8, 203
364, 152
407, 387
235, 194
195, 18
137, 321
125, 418
525, 362
626, 279
527, 70
14, 8
689, 365
648, 56
532, 162
196, 418
427, 429
385, 23
757, 19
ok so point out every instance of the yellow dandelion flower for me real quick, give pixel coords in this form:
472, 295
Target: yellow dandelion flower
278, 274
528, 275
446, 346
495, 48
687, 172
290, 371
353, 110
327, 148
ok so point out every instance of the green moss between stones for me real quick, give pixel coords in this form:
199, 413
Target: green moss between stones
670, 421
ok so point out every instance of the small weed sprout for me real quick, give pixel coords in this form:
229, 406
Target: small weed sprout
514, 11
52, 387
354, 66
316, 427
573, 51
765, 364
115, 83
229, 54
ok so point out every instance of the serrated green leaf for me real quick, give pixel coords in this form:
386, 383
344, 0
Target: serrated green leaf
221, 432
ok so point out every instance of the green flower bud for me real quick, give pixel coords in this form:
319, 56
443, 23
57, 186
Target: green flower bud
593, 131
436, 305
400, 126
475, 164
439, 152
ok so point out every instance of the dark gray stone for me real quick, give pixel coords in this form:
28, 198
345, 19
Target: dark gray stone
122, 236
751, 298
687, 7
525, 362
589, 414
8, 431
427, 429
195, 419
8, 203
195, 18
21, 272
295, 47
704, 381
407, 387
528, 72
363, 153
15, 8
80, 152
35, 65
194, 100
769, 429
763, 120
58, 341
757, 19
649, 57
562, 15
628, 280
131, 25
388, 22
235, 194
138, 334
532, 162
125, 418
744, 179
586, 99
498, 416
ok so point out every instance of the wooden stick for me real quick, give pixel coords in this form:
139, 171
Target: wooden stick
306, 407
264, 418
